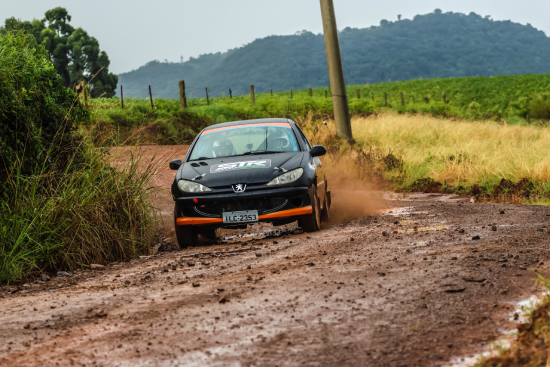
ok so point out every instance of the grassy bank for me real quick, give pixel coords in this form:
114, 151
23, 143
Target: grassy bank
67, 220
444, 155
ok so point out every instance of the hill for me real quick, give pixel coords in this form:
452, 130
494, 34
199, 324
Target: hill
435, 45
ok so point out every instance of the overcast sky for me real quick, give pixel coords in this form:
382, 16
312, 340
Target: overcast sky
133, 32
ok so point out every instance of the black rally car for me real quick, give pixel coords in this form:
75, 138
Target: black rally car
244, 172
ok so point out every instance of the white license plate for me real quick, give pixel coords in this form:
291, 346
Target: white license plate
240, 217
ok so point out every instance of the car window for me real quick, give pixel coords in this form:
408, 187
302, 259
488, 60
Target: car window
240, 139
308, 145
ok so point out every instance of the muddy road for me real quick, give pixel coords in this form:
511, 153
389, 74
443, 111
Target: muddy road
409, 286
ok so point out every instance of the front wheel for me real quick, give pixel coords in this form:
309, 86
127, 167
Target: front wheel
186, 235
312, 222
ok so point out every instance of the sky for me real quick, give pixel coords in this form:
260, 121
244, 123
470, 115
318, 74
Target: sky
133, 32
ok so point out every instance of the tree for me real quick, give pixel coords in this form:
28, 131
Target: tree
37, 113
399, 17
75, 55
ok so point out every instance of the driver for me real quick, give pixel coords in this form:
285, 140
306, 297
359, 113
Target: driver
277, 142
223, 148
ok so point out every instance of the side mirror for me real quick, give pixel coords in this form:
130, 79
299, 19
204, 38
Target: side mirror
318, 151
175, 164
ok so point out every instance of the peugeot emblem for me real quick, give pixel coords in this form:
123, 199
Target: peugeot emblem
239, 187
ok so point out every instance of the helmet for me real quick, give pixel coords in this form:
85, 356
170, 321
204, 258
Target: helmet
223, 148
277, 142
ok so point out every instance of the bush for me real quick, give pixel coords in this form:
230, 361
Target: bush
540, 106
62, 205
36, 112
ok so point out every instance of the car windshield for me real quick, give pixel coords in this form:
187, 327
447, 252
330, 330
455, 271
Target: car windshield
245, 139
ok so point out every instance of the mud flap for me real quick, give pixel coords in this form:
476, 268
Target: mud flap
329, 199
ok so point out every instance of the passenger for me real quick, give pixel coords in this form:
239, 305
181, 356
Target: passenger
223, 148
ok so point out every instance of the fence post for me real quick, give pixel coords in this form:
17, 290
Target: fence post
121, 97
528, 119
402, 99
183, 98
290, 94
444, 97
230, 93
272, 93
358, 93
326, 94
372, 95
386, 98
151, 97
310, 92
252, 96
207, 100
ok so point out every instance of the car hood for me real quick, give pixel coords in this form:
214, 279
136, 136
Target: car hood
250, 169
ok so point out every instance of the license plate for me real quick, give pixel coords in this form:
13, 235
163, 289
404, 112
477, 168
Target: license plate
239, 217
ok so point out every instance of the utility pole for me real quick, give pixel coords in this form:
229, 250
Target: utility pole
336, 71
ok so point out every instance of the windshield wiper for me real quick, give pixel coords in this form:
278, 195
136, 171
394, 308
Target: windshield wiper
200, 159
262, 152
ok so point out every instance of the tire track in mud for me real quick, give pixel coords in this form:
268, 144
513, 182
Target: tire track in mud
358, 293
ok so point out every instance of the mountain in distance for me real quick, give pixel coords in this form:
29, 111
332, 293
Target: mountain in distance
435, 45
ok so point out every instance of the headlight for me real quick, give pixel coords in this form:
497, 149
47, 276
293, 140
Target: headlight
288, 177
190, 186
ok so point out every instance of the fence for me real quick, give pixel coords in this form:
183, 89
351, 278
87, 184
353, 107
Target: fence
206, 93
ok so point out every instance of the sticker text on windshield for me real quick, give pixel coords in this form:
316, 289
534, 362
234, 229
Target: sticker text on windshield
266, 163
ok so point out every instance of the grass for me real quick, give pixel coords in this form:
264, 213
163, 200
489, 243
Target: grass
70, 219
501, 98
458, 154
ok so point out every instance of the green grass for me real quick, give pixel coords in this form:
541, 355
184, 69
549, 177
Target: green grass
67, 220
500, 98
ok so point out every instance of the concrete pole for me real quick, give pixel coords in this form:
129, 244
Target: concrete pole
336, 71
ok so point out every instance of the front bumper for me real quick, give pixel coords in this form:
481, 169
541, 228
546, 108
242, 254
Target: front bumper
199, 221
287, 192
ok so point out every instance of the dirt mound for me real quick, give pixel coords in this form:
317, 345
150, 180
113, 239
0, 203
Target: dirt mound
428, 186
524, 187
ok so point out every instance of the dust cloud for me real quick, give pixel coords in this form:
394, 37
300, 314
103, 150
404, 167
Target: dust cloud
353, 194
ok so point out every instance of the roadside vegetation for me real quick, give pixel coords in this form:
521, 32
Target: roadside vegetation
62, 205
468, 157
531, 344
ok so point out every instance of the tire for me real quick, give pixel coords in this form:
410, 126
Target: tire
186, 235
210, 234
312, 222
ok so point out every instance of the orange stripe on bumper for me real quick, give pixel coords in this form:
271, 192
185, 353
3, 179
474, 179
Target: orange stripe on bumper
288, 213
192, 221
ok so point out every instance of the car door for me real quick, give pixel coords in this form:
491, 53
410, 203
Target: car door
320, 178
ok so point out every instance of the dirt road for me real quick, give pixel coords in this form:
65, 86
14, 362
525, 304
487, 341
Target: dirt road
407, 285
359, 293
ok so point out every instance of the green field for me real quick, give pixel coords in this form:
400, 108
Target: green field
513, 99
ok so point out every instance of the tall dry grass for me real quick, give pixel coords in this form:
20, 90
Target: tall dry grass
459, 152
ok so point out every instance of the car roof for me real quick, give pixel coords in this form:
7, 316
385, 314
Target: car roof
247, 122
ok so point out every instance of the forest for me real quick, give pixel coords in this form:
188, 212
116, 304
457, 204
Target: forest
434, 45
